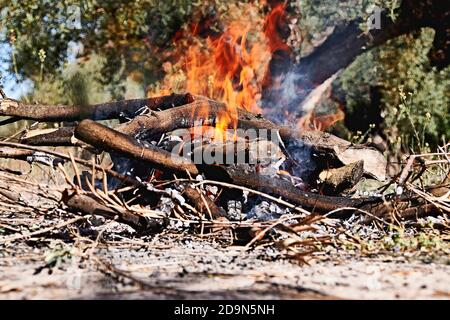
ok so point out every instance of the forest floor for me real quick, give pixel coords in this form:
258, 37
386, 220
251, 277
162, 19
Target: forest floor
186, 267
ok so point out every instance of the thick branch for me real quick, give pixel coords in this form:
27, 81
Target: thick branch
51, 137
285, 189
104, 111
29, 156
15, 153
108, 139
157, 123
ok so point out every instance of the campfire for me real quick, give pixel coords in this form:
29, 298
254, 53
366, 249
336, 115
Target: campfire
212, 151
172, 140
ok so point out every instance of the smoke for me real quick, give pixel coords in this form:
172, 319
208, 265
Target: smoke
288, 91
282, 101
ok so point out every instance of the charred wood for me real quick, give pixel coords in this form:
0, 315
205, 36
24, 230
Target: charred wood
205, 112
277, 186
63, 136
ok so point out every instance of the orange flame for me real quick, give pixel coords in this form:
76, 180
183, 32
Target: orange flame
231, 68
311, 122
275, 19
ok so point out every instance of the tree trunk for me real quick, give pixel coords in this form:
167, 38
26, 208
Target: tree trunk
347, 42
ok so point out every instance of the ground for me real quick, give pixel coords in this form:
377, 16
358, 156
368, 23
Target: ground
187, 267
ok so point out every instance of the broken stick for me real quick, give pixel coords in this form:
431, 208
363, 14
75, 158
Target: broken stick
63, 136
87, 205
204, 203
338, 180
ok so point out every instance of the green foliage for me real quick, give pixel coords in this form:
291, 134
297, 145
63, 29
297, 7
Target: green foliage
35, 27
414, 98
130, 35
318, 17
41, 32
77, 83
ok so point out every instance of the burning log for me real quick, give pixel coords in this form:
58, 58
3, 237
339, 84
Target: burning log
104, 138
155, 123
103, 111
285, 189
325, 145
171, 119
108, 139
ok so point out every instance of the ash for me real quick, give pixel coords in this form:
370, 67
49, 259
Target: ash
265, 211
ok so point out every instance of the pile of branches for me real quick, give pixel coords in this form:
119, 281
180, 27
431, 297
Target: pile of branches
148, 188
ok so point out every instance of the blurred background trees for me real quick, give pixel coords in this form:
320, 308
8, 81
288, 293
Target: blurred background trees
91, 51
